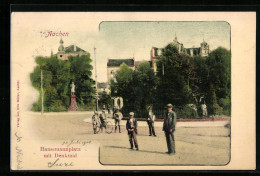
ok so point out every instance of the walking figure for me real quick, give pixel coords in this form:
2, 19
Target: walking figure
169, 128
131, 127
150, 121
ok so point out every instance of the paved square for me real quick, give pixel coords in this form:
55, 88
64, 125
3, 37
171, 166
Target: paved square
196, 144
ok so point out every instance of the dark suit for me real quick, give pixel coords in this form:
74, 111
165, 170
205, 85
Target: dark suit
102, 118
132, 134
169, 128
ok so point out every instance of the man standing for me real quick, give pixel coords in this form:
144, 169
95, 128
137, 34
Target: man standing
95, 121
102, 118
118, 117
150, 121
169, 128
131, 127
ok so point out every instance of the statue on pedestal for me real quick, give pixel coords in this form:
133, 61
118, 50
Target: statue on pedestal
73, 104
72, 88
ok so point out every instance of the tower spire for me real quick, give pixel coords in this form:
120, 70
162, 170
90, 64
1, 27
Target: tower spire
175, 36
61, 47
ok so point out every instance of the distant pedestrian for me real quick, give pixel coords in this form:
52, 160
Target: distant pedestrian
95, 121
169, 128
150, 118
131, 127
118, 117
102, 118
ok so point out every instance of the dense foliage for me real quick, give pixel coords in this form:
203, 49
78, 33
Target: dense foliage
182, 80
57, 78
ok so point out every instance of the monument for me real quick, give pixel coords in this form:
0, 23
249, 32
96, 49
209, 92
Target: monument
204, 110
73, 104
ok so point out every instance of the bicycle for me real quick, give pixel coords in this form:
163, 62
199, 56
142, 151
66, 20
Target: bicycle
107, 125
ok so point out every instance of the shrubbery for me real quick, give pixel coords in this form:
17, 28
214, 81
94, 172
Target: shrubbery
57, 78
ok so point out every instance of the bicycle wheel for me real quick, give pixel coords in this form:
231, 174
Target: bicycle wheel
109, 127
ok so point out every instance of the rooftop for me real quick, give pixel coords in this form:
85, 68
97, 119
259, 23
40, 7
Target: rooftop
70, 49
102, 85
118, 62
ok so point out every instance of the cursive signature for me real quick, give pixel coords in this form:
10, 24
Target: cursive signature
73, 141
19, 153
18, 138
59, 164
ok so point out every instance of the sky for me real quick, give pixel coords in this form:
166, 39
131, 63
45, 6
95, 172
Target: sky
108, 33
121, 40
126, 39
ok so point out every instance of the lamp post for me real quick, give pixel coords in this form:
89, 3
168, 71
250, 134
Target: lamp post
96, 78
42, 92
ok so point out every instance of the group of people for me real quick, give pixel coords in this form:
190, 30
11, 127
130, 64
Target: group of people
98, 120
131, 126
168, 128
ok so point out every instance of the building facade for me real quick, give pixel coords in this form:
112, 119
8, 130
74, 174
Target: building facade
203, 51
113, 65
72, 50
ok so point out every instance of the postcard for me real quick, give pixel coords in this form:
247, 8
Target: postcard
133, 90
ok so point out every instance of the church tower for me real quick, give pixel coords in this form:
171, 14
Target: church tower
178, 45
204, 49
61, 51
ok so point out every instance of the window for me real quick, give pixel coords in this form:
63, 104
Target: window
156, 52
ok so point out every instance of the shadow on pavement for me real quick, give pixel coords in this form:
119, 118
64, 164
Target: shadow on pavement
85, 133
146, 151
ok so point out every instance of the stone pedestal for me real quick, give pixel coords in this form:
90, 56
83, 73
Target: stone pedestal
73, 104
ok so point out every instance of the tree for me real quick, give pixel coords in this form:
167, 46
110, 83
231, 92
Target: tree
219, 73
144, 82
202, 72
176, 78
104, 99
219, 63
57, 78
123, 86
80, 71
137, 88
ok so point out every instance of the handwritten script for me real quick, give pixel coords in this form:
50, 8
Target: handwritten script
77, 142
19, 152
68, 151
60, 164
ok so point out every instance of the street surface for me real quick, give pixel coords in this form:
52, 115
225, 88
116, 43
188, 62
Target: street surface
197, 143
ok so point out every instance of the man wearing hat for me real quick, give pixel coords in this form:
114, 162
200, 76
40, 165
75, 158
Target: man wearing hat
102, 118
118, 117
95, 121
150, 121
169, 128
131, 127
